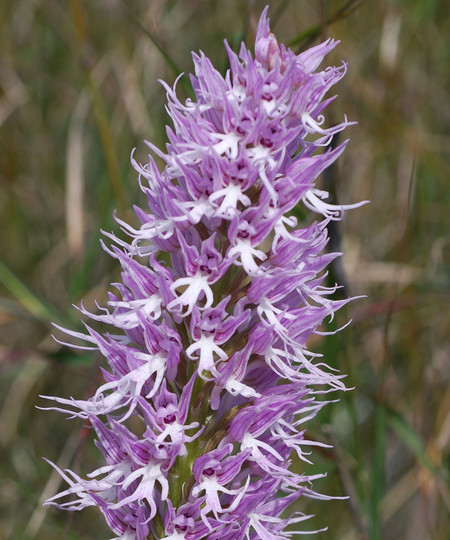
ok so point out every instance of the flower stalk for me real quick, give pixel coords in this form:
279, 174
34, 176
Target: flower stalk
210, 379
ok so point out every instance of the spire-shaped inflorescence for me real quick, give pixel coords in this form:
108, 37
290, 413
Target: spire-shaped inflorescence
210, 381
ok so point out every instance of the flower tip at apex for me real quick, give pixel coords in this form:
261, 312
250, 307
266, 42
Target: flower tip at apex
267, 50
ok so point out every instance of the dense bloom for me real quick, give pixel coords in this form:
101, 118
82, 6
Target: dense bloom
210, 380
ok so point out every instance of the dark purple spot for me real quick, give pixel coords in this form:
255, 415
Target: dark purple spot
265, 141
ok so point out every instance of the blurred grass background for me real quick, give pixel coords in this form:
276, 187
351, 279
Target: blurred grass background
78, 90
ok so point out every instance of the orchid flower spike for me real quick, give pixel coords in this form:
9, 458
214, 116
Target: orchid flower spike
209, 379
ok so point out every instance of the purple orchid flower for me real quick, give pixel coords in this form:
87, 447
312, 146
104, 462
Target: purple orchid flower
210, 380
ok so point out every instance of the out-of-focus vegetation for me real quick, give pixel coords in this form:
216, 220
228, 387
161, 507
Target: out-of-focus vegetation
78, 90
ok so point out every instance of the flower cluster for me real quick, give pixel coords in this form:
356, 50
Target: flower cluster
210, 379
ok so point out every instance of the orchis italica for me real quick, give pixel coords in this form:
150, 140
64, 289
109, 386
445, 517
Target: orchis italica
210, 381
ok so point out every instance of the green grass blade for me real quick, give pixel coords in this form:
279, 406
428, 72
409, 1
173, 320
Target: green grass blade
411, 439
377, 473
169, 61
313, 31
34, 305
